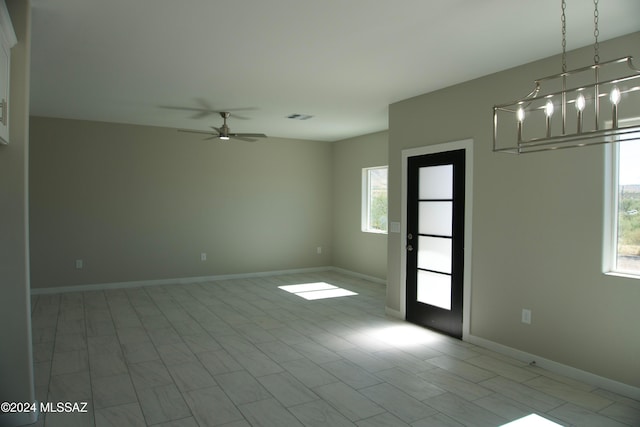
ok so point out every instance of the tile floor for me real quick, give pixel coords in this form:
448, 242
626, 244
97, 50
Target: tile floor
246, 353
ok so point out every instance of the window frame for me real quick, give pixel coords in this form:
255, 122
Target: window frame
365, 224
611, 193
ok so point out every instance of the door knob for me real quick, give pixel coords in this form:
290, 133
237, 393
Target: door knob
409, 236
409, 248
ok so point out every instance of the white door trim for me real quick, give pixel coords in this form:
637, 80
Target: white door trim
467, 145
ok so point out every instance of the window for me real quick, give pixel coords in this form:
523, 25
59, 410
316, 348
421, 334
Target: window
374, 199
625, 208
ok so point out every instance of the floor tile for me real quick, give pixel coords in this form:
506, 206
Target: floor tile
241, 387
463, 411
112, 391
128, 415
315, 352
107, 364
308, 373
351, 374
397, 402
521, 393
319, 413
383, 420
504, 407
410, 383
567, 393
70, 342
69, 362
136, 352
212, 407
366, 360
278, 351
622, 413
579, 416
268, 413
287, 389
70, 387
504, 369
184, 422
162, 404
454, 384
437, 420
349, 402
201, 343
218, 362
149, 374
164, 336
461, 368
176, 354
132, 334
71, 419
257, 363
191, 376
404, 360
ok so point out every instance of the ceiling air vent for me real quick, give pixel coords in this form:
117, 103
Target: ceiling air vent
297, 116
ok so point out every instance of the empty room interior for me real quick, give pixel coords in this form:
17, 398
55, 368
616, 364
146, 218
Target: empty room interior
331, 213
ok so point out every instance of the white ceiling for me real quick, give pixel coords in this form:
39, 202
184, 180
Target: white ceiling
341, 61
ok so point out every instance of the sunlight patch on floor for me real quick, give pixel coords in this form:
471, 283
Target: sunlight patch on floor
531, 420
315, 291
405, 335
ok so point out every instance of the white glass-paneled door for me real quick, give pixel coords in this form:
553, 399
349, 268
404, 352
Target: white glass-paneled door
435, 240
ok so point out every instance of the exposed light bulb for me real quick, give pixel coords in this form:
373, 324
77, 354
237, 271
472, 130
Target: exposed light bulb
520, 116
580, 103
548, 111
548, 108
614, 97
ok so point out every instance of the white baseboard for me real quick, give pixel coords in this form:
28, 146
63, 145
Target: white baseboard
359, 275
175, 281
200, 279
559, 368
394, 313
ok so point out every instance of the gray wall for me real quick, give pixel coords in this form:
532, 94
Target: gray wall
354, 250
141, 203
537, 228
16, 370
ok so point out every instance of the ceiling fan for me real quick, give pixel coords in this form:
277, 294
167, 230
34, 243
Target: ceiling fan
223, 131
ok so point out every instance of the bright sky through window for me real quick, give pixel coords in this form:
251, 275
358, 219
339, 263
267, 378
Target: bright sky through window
629, 164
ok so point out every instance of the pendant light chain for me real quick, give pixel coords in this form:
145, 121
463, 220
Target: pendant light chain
564, 37
596, 33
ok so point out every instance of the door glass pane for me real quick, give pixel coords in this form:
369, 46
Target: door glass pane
434, 253
436, 182
435, 218
434, 289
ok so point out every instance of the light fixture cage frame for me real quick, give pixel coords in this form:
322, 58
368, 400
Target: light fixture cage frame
530, 125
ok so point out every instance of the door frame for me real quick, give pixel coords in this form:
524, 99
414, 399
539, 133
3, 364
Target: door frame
467, 145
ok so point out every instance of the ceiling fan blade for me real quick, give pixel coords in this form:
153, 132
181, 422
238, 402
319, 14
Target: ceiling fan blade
206, 109
204, 132
242, 138
248, 135
202, 114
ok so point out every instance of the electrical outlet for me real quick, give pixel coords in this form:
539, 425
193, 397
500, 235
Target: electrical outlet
79, 264
526, 316
203, 256
319, 250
